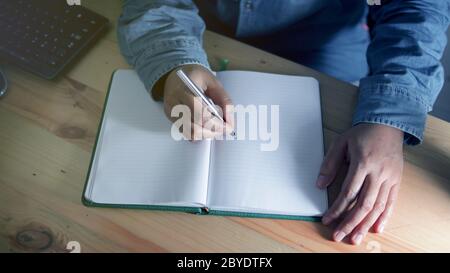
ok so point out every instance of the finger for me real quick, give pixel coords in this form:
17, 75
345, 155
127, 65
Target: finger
193, 131
168, 106
364, 205
201, 115
363, 228
220, 97
212, 123
195, 104
384, 217
197, 132
214, 90
229, 118
331, 164
350, 189
229, 115
172, 102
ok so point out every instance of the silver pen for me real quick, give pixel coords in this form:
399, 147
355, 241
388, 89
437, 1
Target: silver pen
197, 91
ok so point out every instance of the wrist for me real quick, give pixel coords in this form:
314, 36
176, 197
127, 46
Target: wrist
157, 91
385, 129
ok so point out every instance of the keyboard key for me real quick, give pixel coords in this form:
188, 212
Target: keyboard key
42, 35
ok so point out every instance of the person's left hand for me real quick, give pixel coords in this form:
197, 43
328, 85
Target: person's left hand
374, 153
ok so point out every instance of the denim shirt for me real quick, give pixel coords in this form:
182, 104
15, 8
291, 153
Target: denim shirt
397, 63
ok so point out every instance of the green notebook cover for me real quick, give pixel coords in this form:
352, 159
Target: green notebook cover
193, 210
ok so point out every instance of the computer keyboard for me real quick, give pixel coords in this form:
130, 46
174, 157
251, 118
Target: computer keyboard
44, 36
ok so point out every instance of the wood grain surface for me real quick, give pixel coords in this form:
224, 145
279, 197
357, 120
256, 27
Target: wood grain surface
48, 128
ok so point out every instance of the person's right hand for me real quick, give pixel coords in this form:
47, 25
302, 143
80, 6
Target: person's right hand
176, 93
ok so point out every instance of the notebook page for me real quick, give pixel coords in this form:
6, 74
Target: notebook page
137, 161
244, 178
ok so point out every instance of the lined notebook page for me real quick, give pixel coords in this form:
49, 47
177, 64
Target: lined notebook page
244, 178
137, 161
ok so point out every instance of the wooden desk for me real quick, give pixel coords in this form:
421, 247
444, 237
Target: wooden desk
47, 131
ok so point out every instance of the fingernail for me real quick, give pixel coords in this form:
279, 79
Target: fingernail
338, 236
381, 228
322, 181
357, 239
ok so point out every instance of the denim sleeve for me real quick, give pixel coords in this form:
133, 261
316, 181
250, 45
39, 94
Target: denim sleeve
156, 36
408, 40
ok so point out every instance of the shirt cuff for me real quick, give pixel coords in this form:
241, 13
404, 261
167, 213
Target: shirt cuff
393, 106
160, 58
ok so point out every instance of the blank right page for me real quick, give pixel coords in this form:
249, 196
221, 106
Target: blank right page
244, 178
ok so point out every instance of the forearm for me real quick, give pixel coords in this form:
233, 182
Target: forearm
408, 39
155, 36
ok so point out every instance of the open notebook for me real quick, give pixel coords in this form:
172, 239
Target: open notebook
137, 164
